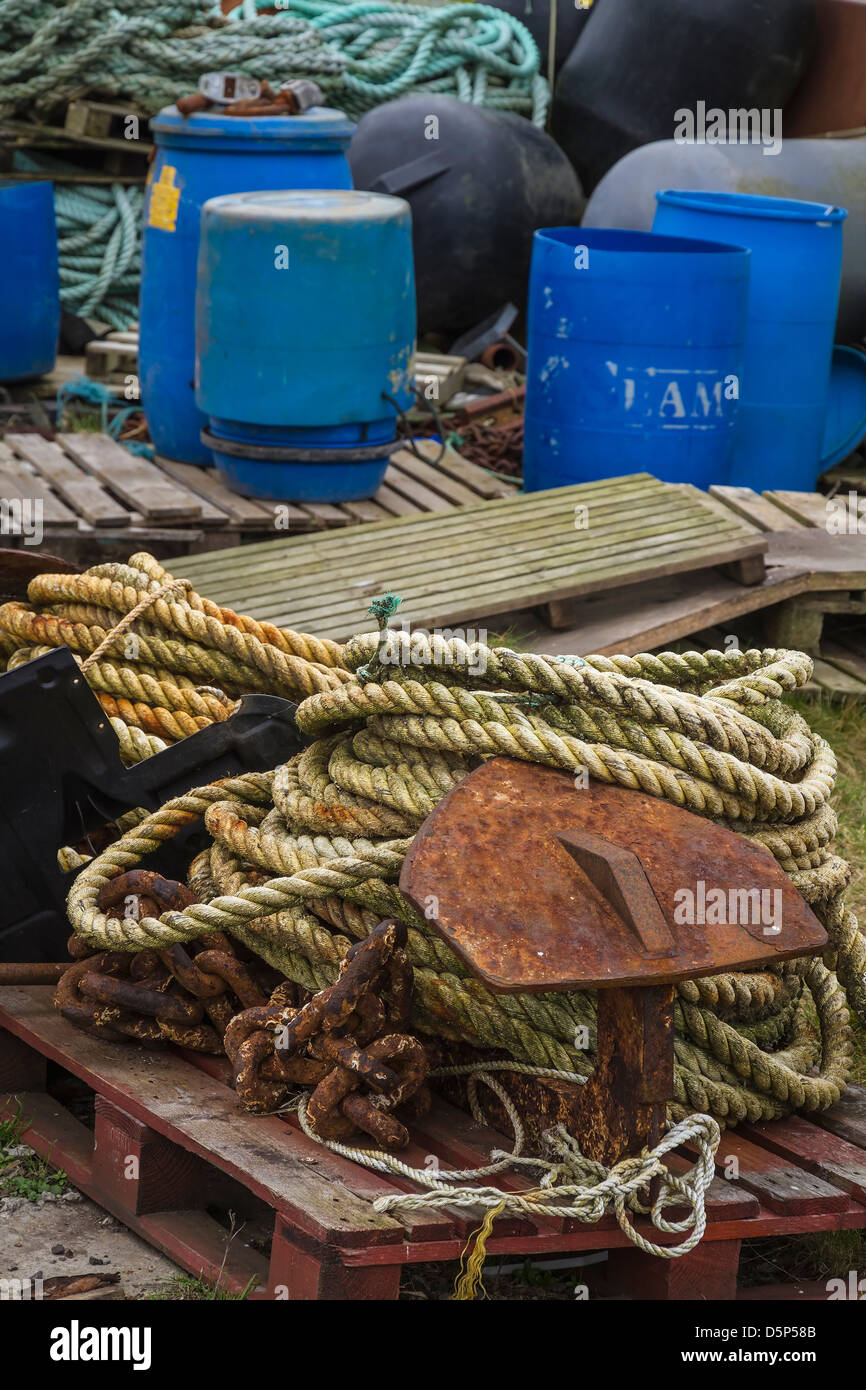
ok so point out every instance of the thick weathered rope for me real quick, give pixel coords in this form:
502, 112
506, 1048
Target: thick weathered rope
163, 661
306, 859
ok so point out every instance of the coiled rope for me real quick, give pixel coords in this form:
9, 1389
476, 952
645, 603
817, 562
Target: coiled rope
306, 858
181, 669
361, 54
149, 52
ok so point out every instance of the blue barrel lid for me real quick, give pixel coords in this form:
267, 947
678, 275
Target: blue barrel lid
319, 128
317, 206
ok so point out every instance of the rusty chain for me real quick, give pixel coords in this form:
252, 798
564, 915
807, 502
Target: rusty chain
346, 1041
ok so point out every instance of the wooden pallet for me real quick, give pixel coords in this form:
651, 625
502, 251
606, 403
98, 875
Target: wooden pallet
546, 548
194, 1148
100, 499
809, 573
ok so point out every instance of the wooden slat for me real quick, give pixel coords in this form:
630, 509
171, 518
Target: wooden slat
202, 1115
810, 508
484, 484
135, 480
852, 662
206, 485
780, 1184
414, 491
475, 536
490, 558
836, 681
516, 585
847, 1117
21, 480
78, 488
759, 510
816, 1150
434, 478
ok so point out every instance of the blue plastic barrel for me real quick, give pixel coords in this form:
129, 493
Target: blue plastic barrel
796, 268
635, 351
29, 281
305, 325
197, 158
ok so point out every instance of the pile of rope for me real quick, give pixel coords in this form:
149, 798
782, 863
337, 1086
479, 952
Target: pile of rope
361, 54
305, 859
151, 51
185, 664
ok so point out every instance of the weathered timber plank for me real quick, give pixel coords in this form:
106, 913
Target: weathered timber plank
548, 581
847, 1117
451, 532
555, 500
615, 526
424, 498
841, 1163
808, 507
206, 484
780, 1184
456, 492
837, 682
135, 480
203, 1116
482, 483
852, 662
761, 511
619, 621
79, 489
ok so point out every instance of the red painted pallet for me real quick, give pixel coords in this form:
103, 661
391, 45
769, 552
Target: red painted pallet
170, 1147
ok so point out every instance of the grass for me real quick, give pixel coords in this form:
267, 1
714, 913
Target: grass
843, 725
25, 1175
185, 1288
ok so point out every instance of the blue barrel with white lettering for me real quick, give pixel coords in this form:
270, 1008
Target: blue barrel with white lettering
199, 157
634, 356
305, 331
29, 281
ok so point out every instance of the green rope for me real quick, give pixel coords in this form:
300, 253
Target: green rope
149, 52
362, 54
98, 242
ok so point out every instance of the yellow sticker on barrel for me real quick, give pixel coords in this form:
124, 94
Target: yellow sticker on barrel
164, 200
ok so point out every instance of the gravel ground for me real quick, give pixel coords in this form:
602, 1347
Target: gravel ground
72, 1235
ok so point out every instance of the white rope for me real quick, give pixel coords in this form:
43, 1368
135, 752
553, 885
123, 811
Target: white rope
569, 1184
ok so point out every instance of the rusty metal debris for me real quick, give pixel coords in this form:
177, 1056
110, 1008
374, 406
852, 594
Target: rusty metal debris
586, 899
290, 99
187, 996
346, 1041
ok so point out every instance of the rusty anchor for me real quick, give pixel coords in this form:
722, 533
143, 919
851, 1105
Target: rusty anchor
589, 889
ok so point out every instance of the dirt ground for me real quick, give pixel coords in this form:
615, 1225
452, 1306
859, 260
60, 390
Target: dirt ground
69, 1235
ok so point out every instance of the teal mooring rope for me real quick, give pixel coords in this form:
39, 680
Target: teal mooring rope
361, 52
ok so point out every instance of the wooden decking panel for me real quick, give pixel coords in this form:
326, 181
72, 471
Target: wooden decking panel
493, 557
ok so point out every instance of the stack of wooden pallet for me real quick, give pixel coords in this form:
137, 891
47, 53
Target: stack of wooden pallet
96, 494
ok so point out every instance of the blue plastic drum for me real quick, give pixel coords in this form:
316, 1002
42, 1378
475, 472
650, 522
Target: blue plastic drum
29, 281
305, 330
199, 157
796, 269
635, 353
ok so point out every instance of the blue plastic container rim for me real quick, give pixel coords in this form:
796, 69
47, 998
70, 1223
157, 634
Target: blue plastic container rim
38, 186
616, 240
321, 127
751, 205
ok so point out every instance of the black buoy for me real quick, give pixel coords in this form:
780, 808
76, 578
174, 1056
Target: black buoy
479, 183
638, 64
